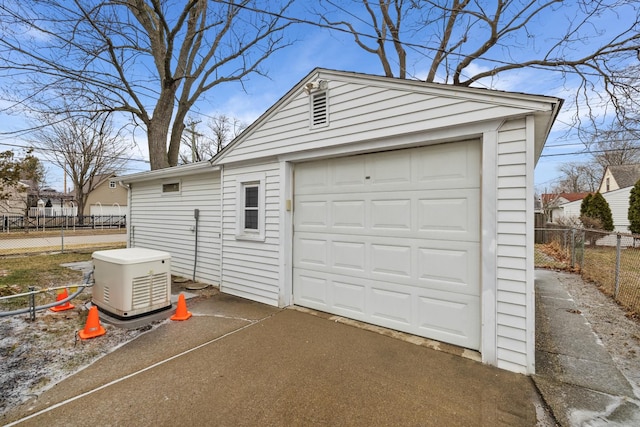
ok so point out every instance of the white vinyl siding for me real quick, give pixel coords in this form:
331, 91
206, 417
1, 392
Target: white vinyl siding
619, 204
370, 114
251, 267
618, 201
361, 112
513, 266
167, 223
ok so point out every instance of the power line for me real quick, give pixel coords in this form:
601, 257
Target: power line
405, 43
61, 151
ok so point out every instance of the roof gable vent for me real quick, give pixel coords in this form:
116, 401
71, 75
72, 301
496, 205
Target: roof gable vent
319, 110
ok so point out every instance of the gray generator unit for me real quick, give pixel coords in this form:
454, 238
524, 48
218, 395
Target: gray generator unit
131, 282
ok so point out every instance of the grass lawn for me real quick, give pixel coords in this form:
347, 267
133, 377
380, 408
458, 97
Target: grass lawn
17, 273
600, 267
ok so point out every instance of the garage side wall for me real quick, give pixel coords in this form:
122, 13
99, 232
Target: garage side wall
513, 334
165, 221
251, 267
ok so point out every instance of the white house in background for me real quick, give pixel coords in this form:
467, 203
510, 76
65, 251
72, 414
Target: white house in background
400, 203
616, 177
618, 201
551, 204
615, 187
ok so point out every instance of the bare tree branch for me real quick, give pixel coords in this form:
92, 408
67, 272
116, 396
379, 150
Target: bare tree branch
148, 58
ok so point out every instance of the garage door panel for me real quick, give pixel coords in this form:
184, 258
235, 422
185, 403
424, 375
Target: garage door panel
312, 290
391, 168
388, 214
391, 307
311, 253
348, 214
349, 255
449, 269
442, 215
349, 296
444, 265
448, 165
455, 322
392, 261
312, 213
347, 173
314, 177
401, 235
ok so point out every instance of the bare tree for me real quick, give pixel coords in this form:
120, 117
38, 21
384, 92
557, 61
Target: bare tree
86, 148
615, 146
150, 59
221, 129
463, 41
577, 177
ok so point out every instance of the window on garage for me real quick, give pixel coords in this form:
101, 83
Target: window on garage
171, 188
250, 208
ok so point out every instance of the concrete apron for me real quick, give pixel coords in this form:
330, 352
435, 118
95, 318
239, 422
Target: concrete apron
242, 363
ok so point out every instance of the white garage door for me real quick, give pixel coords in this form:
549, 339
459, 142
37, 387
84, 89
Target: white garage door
393, 239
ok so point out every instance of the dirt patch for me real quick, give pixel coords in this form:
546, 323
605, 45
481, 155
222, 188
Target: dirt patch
34, 356
619, 333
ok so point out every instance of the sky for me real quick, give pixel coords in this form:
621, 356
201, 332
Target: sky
315, 47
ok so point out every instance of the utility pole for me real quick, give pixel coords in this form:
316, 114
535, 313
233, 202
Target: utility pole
190, 127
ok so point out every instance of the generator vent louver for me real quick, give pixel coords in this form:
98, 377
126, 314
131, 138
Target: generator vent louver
148, 290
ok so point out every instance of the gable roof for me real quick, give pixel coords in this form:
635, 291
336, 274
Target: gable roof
625, 175
543, 108
569, 197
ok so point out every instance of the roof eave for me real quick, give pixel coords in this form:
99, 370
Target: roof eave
173, 172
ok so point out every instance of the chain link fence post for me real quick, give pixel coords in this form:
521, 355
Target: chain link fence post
617, 274
573, 247
32, 303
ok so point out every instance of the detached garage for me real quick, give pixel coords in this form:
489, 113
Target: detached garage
398, 203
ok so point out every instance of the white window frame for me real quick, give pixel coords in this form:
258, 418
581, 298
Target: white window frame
170, 193
243, 182
112, 184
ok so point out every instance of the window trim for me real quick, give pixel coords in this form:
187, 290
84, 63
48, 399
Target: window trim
171, 193
112, 183
242, 183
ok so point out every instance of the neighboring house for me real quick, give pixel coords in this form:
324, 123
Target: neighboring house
616, 177
618, 201
552, 204
14, 200
615, 187
109, 197
399, 203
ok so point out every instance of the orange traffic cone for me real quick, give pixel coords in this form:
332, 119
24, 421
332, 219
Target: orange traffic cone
181, 311
92, 328
64, 306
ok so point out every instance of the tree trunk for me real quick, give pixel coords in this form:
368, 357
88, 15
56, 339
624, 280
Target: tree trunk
157, 140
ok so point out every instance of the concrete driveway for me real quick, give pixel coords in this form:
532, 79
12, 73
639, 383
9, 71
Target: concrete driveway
237, 362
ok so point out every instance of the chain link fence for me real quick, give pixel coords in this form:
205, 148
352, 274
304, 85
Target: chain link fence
610, 260
60, 240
